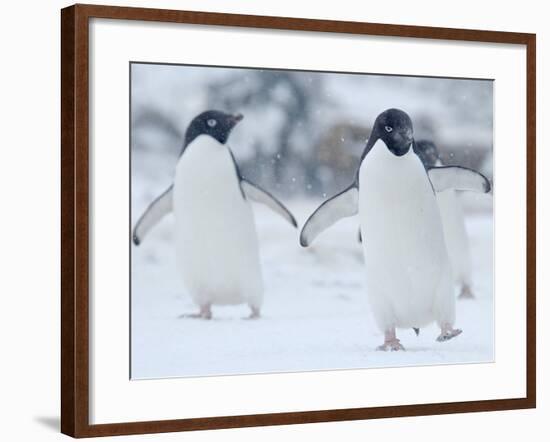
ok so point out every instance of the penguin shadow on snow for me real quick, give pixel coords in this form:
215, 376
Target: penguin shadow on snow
236, 318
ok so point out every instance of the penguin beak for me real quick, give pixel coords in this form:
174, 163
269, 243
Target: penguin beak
408, 136
235, 118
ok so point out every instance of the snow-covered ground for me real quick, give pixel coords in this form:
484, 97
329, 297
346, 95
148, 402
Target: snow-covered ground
315, 316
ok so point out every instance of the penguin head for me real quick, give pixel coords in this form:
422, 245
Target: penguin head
394, 127
215, 123
427, 152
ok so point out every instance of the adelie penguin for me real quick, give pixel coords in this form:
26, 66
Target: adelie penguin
409, 276
215, 235
454, 227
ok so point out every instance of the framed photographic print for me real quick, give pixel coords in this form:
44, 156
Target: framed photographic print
272, 220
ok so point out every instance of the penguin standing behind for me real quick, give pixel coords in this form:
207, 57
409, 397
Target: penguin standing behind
409, 277
454, 227
215, 236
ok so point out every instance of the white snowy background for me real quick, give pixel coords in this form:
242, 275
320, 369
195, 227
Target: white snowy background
300, 139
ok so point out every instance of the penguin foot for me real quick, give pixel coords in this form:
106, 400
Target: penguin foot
204, 313
466, 292
448, 334
254, 313
195, 316
392, 345
251, 317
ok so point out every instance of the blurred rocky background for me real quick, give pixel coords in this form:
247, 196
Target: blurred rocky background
303, 132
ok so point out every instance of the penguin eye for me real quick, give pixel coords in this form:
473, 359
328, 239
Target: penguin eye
211, 122
388, 128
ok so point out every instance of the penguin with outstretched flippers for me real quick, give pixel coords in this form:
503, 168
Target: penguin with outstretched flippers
409, 276
215, 235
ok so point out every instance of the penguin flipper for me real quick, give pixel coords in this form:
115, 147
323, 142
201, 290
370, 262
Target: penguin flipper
339, 206
458, 178
152, 215
255, 193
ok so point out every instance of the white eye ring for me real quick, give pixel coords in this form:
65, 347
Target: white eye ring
388, 128
211, 122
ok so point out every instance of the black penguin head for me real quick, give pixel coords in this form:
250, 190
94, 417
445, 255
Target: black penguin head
394, 127
215, 123
427, 152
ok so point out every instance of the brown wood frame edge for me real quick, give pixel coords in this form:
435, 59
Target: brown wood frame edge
74, 219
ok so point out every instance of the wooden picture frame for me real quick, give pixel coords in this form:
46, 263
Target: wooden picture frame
75, 219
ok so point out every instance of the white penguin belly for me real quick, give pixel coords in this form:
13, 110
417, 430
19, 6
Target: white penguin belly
408, 273
216, 241
455, 236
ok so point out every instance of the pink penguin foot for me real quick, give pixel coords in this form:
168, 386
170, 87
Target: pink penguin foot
448, 333
204, 313
391, 345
